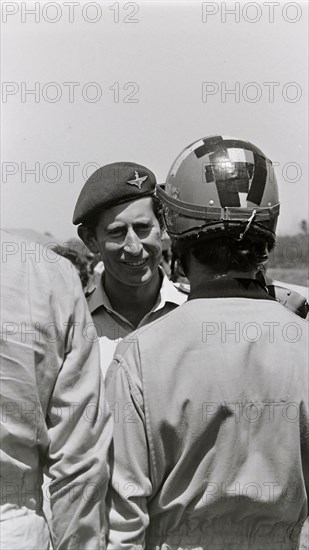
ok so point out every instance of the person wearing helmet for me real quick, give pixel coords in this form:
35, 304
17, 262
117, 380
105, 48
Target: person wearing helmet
211, 443
121, 219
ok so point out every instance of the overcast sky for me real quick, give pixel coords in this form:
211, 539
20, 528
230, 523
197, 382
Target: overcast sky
139, 81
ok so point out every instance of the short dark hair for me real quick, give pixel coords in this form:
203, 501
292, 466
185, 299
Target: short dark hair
223, 254
158, 211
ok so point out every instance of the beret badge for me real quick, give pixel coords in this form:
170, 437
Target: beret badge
138, 181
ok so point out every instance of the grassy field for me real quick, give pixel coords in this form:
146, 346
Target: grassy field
292, 275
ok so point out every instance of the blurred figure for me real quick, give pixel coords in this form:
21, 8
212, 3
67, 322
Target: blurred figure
53, 408
81, 263
207, 453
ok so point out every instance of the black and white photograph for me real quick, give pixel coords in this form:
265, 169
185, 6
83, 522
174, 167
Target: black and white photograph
154, 387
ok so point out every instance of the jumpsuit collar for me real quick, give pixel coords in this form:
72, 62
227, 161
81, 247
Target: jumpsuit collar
230, 288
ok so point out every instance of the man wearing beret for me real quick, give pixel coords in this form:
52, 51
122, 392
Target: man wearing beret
120, 218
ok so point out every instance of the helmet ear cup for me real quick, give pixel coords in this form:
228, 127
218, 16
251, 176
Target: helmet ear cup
220, 184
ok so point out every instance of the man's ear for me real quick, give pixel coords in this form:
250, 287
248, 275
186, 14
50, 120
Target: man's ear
88, 236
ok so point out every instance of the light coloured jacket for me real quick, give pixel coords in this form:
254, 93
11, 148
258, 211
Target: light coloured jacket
211, 436
53, 407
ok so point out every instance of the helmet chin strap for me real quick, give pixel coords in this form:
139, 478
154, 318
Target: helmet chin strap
250, 220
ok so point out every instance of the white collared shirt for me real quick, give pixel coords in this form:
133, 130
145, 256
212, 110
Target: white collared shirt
112, 327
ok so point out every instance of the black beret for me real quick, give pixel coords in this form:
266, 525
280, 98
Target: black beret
113, 184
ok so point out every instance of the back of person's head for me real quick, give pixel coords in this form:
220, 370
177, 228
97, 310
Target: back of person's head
223, 254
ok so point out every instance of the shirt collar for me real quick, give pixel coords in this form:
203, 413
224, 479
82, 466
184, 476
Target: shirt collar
99, 297
168, 293
230, 288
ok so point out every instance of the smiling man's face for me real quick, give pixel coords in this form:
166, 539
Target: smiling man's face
128, 238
